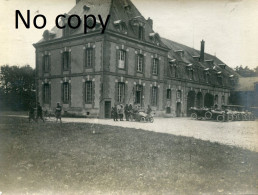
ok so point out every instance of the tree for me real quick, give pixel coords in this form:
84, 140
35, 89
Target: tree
17, 87
246, 72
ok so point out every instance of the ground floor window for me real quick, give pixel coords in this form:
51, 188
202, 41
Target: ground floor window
154, 96
46, 93
138, 94
121, 92
66, 93
168, 94
88, 92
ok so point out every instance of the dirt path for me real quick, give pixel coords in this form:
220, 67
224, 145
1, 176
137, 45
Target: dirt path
243, 134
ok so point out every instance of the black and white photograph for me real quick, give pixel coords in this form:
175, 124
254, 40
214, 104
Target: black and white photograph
128, 97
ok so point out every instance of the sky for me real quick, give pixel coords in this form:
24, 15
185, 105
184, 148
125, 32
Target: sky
229, 27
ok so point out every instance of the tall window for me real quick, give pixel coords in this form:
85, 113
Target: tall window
216, 99
89, 57
190, 74
168, 94
154, 96
46, 93
138, 94
66, 93
223, 100
178, 95
46, 63
121, 92
155, 65
140, 63
121, 59
66, 60
206, 77
88, 92
220, 80
141, 33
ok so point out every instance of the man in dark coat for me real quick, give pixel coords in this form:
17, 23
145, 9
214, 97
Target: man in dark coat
127, 112
39, 113
58, 112
31, 113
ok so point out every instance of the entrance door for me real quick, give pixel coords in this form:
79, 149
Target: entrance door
178, 109
107, 109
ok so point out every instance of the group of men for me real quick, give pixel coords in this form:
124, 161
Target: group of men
39, 113
129, 111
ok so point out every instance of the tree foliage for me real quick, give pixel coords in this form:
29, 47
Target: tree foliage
246, 72
17, 87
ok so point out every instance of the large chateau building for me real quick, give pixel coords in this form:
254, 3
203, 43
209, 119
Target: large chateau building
128, 64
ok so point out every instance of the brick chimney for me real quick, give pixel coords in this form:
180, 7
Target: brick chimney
202, 51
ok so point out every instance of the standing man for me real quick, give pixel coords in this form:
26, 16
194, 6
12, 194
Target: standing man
115, 113
127, 112
39, 113
149, 110
121, 112
58, 112
31, 113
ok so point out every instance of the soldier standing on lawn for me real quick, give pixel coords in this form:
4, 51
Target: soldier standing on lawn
127, 112
39, 113
31, 113
58, 112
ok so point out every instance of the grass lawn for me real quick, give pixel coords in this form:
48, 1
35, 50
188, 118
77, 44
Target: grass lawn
53, 158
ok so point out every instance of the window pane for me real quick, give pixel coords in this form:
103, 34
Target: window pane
121, 59
139, 63
155, 66
89, 57
121, 92
154, 96
88, 92
66, 92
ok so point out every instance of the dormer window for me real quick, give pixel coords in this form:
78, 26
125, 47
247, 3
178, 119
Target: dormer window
173, 67
127, 7
154, 37
196, 58
190, 71
206, 75
223, 66
232, 79
120, 26
219, 78
210, 62
141, 33
86, 7
48, 35
180, 53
